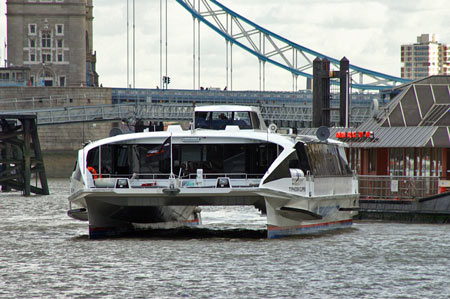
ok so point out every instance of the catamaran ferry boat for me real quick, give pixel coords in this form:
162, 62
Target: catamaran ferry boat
154, 180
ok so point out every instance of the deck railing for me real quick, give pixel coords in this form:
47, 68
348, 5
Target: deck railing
397, 187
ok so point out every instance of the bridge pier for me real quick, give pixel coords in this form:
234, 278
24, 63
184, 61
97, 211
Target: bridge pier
20, 155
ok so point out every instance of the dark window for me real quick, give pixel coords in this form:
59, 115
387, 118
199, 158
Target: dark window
92, 158
234, 158
282, 170
251, 159
303, 163
46, 40
4, 76
255, 120
218, 120
46, 57
327, 160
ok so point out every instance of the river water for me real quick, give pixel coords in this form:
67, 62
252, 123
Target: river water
44, 253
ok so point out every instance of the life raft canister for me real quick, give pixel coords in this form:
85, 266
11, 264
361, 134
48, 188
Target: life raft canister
93, 171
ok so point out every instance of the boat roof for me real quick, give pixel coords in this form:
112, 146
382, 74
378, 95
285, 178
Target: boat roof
225, 108
230, 133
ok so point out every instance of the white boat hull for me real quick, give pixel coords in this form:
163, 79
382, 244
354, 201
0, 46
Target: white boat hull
106, 219
309, 215
112, 211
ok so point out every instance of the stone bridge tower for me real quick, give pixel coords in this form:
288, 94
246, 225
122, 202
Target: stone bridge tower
54, 39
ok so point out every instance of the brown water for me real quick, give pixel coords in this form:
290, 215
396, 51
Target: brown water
43, 253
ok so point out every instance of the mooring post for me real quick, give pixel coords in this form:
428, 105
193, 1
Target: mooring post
344, 82
317, 93
26, 156
39, 160
321, 93
325, 78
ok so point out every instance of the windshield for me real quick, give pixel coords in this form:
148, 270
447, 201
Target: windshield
218, 120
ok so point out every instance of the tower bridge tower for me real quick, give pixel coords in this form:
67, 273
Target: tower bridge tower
54, 39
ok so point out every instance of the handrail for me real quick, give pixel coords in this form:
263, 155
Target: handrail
397, 187
237, 175
36, 102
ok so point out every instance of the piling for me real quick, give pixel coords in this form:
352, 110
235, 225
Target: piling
20, 155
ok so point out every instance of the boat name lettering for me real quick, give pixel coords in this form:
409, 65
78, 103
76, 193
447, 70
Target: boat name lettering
297, 189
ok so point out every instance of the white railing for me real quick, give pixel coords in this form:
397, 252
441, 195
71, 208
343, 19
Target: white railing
138, 180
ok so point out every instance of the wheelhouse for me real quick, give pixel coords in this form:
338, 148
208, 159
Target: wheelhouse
219, 117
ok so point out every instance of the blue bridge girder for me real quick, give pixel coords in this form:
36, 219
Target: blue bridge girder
275, 49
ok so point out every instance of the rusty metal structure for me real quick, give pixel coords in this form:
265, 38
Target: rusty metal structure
20, 155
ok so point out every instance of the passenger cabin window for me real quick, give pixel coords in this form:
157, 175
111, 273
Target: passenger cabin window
240, 160
297, 159
218, 120
147, 160
319, 159
327, 159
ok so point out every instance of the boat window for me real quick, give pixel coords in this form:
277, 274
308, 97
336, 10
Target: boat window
106, 160
218, 120
251, 159
326, 160
255, 120
191, 153
122, 159
234, 158
243, 120
282, 170
302, 162
224, 158
92, 158
150, 161
319, 159
122, 162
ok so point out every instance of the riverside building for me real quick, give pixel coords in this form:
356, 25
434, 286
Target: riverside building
403, 150
53, 38
425, 58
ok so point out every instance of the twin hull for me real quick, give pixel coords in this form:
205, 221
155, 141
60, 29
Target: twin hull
123, 183
291, 208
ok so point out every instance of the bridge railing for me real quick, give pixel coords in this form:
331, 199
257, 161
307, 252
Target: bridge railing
286, 109
397, 187
52, 101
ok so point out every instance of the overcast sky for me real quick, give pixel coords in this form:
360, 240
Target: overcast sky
368, 33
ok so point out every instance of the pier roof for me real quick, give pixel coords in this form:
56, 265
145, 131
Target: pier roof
419, 116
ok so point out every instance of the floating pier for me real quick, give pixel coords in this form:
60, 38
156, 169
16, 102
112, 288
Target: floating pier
432, 209
20, 155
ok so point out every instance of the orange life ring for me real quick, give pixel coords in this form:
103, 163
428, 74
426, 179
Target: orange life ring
93, 171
